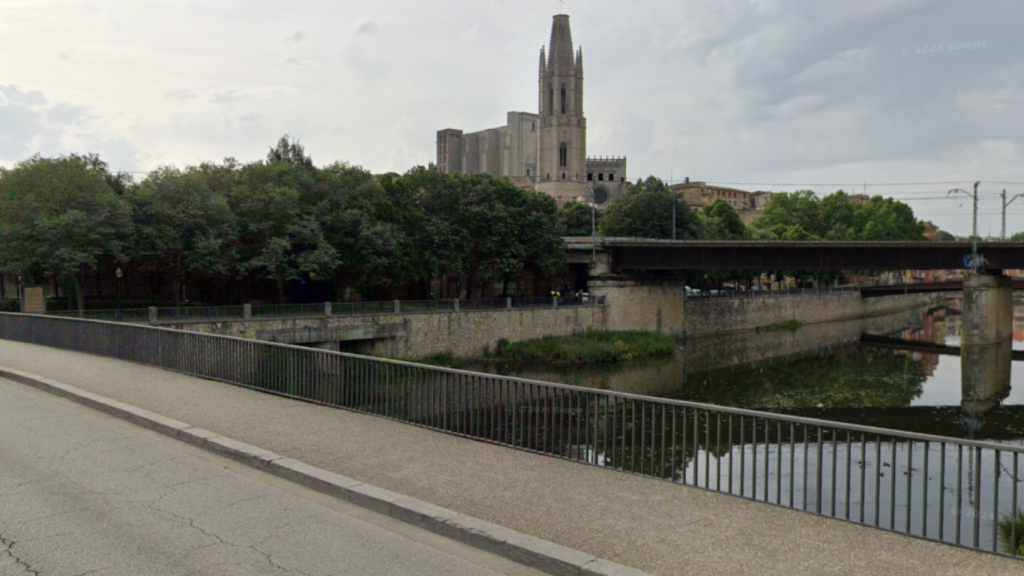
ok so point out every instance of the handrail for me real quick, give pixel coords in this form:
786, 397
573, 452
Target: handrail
873, 476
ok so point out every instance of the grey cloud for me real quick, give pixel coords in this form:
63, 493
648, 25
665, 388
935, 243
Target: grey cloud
227, 96
366, 28
297, 37
294, 61
65, 56
67, 114
14, 95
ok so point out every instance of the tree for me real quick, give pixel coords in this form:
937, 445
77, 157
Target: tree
722, 222
1018, 237
645, 211
577, 219
59, 216
183, 222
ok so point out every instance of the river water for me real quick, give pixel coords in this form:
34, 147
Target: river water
825, 371
841, 372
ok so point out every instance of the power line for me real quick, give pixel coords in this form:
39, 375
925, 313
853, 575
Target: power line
850, 184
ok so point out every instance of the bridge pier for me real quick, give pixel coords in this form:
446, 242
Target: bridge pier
986, 342
646, 305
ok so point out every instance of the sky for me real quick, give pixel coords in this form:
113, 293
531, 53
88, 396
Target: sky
904, 98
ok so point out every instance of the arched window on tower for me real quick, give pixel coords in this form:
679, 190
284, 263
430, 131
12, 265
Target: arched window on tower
563, 155
551, 100
563, 98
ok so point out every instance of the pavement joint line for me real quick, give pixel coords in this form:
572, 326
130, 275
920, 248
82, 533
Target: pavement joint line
519, 547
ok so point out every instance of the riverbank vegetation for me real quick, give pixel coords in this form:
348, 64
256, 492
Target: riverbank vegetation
587, 349
787, 326
1012, 526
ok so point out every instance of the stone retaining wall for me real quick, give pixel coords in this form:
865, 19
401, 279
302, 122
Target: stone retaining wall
721, 316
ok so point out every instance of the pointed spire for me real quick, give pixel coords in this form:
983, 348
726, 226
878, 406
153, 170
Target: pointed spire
560, 59
579, 61
543, 62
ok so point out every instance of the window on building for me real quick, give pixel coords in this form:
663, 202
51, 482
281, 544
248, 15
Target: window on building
563, 155
527, 171
551, 100
533, 127
611, 176
600, 176
563, 175
590, 176
563, 98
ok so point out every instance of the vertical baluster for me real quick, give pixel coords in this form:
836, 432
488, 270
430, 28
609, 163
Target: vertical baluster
995, 498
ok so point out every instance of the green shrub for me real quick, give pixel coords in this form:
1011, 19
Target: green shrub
1006, 524
589, 348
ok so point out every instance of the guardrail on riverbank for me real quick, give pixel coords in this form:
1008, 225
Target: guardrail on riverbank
730, 293
154, 315
956, 491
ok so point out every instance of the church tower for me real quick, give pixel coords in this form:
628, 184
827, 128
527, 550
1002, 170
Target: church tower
562, 137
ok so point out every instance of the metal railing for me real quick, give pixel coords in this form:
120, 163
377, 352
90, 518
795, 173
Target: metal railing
960, 492
323, 309
733, 293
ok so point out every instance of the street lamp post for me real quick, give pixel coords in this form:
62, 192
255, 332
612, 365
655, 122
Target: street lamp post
593, 224
974, 225
1005, 204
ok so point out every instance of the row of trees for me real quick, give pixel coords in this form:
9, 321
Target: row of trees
287, 223
281, 220
646, 212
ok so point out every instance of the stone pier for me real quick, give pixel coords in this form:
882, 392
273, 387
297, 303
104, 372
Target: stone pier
987, 342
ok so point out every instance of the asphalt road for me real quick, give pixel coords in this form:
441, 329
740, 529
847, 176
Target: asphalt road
82, 493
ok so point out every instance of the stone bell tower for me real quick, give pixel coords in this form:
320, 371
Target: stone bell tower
562, 137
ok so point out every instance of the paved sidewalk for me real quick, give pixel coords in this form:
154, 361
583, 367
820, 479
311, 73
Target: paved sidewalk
648, 524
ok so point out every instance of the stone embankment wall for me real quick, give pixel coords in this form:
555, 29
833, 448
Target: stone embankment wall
721, 316
415, 335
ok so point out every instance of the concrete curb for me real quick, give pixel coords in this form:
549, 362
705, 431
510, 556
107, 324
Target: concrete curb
516, 546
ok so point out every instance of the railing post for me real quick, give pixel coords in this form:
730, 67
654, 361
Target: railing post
153, 314
554, 301
398, 306
247, 311
327, 309
456, 304
508, 302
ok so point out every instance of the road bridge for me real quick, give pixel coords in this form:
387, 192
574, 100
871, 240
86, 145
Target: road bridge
633, 255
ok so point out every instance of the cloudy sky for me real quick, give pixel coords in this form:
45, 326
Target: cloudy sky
777, 95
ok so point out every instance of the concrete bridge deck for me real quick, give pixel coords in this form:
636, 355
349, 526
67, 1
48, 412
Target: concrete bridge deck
648, 524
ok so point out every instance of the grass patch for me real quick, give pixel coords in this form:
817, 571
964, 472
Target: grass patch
444, 360
1006, 524
593, 348
788, 325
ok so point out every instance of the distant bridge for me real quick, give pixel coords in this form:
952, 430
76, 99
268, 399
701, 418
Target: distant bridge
646, 255
924, 287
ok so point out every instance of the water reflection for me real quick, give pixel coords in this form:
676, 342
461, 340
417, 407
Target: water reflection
826, 371
901, 372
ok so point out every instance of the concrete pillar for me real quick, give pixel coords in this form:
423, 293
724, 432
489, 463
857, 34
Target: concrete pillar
398, 306
247, 311
554, 301
645, 305
153, 314
456, 305
986, 342
327, 309
508, 302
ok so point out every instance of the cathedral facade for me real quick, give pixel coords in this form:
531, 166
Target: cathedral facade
546, 150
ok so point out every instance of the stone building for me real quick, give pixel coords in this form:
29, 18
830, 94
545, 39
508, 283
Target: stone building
548, 148
697, 195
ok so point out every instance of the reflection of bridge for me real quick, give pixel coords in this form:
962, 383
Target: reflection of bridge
644, 255
915, 346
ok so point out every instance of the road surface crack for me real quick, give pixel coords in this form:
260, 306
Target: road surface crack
7, 547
